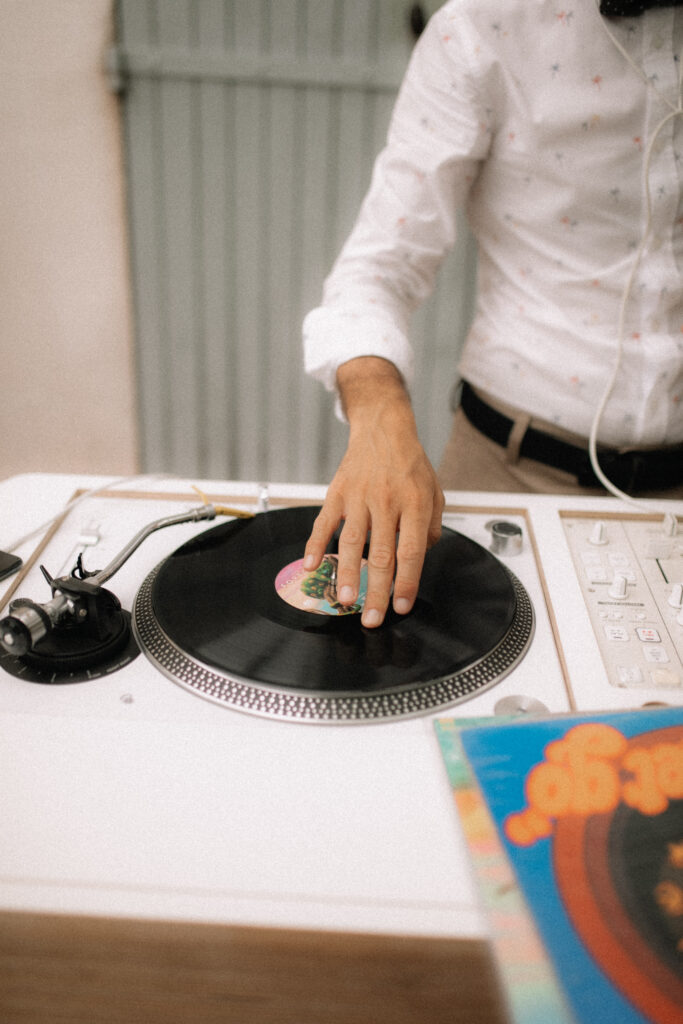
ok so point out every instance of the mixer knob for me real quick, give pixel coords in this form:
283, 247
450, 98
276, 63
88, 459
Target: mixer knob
676, 596
506, 538
618, 587
598, 534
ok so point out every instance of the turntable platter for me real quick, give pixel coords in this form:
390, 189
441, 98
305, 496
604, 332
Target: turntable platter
211, 618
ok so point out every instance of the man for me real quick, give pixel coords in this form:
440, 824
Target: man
559, 128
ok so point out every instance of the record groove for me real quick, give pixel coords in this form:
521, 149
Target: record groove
209, 618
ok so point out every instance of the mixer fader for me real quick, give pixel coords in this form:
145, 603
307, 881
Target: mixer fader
630, 569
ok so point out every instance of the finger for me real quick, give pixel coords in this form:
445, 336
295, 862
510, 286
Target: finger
410, 558
419, 530
352, 541
435, 523
325, 524
381, 564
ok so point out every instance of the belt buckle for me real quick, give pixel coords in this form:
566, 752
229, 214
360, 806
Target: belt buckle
626, 470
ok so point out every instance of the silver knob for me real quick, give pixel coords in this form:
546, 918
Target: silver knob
506, 538
519, 704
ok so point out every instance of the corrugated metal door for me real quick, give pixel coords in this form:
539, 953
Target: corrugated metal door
251, 128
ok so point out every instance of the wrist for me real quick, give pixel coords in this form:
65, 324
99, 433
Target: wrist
372, 387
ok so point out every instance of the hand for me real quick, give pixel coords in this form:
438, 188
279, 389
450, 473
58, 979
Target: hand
385, 484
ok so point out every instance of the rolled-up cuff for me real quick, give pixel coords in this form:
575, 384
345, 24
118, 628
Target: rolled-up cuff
334, 338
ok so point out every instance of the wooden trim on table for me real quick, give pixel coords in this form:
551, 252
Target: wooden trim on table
193, 496
634, 515
523, 513
89, 970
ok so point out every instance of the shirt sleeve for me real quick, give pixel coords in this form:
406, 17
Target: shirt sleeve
407, 222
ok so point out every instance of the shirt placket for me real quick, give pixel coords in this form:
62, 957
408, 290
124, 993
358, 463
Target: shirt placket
659, 277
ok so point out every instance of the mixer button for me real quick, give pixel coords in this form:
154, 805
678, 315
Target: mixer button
630, 675
656, 654
648, 635
665, 677
616, 633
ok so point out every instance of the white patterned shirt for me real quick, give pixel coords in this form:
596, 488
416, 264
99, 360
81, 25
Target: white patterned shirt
526, 113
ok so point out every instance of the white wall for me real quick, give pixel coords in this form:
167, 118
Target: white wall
67, 396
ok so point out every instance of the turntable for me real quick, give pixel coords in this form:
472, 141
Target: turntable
214, 617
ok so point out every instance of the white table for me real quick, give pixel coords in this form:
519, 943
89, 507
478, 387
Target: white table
281, 871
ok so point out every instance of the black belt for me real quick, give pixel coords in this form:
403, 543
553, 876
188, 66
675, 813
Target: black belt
631, 471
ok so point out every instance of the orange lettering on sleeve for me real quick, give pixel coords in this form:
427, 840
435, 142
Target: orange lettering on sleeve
643, 792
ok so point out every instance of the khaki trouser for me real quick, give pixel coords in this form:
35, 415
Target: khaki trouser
471, 462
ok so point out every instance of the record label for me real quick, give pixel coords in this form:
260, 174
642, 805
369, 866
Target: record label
316, 591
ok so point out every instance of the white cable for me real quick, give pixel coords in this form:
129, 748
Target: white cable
592, 445
676, 111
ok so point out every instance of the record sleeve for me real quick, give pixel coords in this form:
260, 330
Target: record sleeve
575, 827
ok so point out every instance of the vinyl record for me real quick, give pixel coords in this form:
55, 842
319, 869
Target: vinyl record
211, 617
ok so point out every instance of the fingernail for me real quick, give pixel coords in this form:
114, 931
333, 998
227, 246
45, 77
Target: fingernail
309, 562
371, 617
402, 605
346, 595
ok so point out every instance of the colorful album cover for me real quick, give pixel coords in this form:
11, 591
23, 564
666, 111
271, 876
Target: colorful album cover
575, 827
